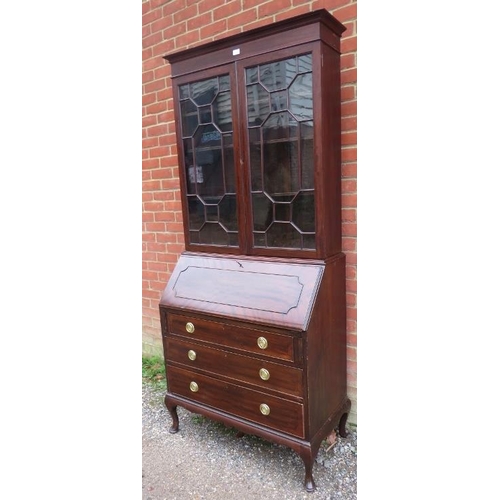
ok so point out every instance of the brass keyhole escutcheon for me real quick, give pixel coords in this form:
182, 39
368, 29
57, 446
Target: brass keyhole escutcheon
189, 327
264, 374
264, 409
262, 342
193, 386
191, 355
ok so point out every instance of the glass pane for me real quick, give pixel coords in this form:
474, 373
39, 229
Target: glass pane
280, 136
279, 100
212, 213
189, 118
252, 75
262, 212
184, 91
305, 63
228, 213
196, 213
259, 239
208, 158
204, 92
307, 154
189, 162
283, 235
222, 112
205, 114
281, 157
309, 241
282, 212
257, 104
301, 97
303, 215
213, 234
255, 159
206, 121
224, 83
229, 164
277, 75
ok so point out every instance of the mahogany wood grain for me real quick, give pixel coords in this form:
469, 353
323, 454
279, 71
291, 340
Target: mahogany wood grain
285, 415
237, 368
235, 337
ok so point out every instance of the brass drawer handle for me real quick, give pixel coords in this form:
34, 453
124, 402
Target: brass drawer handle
264, 409
189, 327
193, 386
191, 355
264, 374
262, 342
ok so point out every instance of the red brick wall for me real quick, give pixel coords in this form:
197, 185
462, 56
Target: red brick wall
172, 25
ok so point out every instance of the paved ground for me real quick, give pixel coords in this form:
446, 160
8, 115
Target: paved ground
205, 460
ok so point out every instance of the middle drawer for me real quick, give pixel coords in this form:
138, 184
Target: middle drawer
258, 372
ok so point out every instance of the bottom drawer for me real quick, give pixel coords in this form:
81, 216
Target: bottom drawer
270, 411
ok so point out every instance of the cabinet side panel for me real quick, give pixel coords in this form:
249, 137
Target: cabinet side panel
326, 347
329, 189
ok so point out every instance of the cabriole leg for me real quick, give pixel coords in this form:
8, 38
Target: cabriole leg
172, 409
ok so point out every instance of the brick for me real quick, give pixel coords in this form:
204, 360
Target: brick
297, 11
152, 163
156, 152
349, 76
151, 16
272, 8
151, 40
149, 143
350, 29
213, 29
349, 170
157, 130
161, 173
164, 217
345, 13
347, 61
348, 44
349, 123
156, 85
208, 5
162, 23
348, 186
227, 9
155, 108
199, 21
348, 215
156, 227
148, 121
152, 206
151, 186
247, 4
347, 93
349, 154
349, 229
164, 48
167, 238
242, 19
349, 108
164, 195
186, 13
349, 138
348, 244
173, 6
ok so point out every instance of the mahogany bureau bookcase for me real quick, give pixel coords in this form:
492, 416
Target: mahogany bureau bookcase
253, 316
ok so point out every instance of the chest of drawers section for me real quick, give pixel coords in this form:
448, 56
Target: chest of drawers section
256, 375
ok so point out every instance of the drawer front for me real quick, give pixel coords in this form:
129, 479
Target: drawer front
265, 374
237, 337
273, 412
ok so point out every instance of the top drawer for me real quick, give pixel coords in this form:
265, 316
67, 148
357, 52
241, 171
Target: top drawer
238, 337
